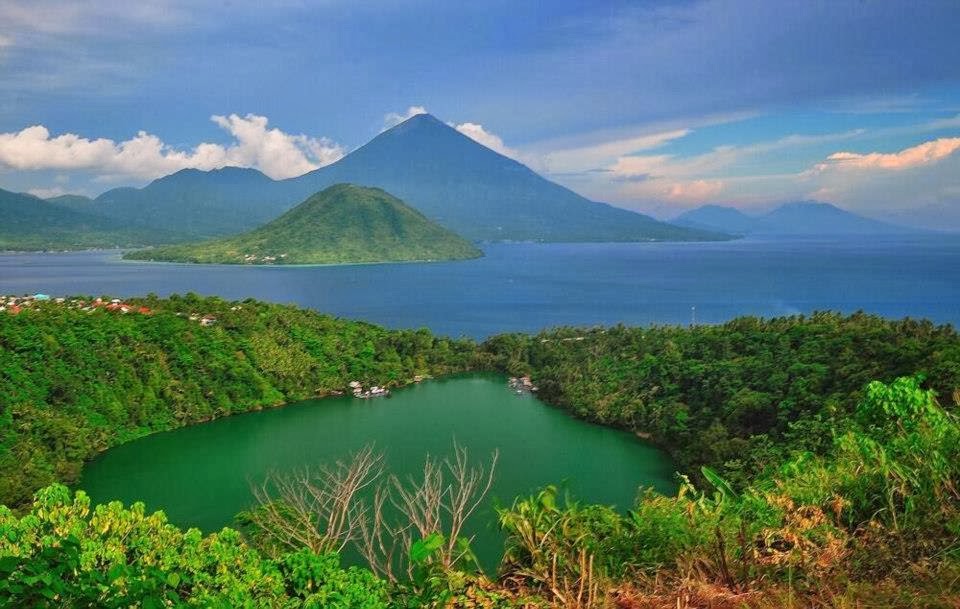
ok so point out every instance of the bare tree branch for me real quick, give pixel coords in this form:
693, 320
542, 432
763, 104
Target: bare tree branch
318, 508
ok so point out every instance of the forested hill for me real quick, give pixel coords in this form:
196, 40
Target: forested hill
343, 223
30, 223
74, 382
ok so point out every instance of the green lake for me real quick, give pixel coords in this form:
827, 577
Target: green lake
200, 475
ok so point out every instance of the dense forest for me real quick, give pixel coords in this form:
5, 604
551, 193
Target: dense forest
76, 382
738, 397
818, 465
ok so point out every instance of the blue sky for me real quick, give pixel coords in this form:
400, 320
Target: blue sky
654, 106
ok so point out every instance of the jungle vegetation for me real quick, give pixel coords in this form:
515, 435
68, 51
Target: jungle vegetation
76, 382
739, 397
819, 460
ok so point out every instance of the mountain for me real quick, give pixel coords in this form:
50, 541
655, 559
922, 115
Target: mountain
344, 223
481, 194
198, 204
804, 218
717, 218
30, 223
447, 176
812, 218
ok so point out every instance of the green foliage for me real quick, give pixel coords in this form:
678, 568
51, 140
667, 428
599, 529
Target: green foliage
63, 553
433, 585
343, 223
882, 503
323, 584
423, 549
740, 397
73, 383
816, 474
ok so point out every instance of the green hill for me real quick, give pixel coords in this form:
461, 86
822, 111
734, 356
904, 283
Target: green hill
344, 223
30, 223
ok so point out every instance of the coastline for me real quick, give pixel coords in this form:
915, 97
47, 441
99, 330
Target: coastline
120, 258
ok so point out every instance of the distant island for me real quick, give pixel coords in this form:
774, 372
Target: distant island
342, 224
801, 218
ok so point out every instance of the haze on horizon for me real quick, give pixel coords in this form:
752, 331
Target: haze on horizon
657, 107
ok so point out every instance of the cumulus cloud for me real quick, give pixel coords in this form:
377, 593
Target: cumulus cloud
146, 156
392, 119
277, 154
914, 177
494, 142
915, 156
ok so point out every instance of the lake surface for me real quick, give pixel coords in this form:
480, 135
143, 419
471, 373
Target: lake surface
200, 475
527, 287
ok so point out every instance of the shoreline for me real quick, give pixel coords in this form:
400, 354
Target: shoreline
120, 258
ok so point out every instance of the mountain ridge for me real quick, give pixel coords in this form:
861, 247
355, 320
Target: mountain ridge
788, 219
29, 223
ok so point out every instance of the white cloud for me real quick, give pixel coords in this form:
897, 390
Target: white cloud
924, 175
46, 193
915, 156
942, 123
477, 133
669, 182
653, 166
695, 190
57, 17
277, 154
591, 157
392, 119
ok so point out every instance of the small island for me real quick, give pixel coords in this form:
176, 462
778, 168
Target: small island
342, 224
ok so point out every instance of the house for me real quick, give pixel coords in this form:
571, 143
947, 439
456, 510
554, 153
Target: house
208, 320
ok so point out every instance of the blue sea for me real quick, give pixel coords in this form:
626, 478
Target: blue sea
528, 287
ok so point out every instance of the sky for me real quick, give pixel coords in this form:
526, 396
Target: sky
653, 106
